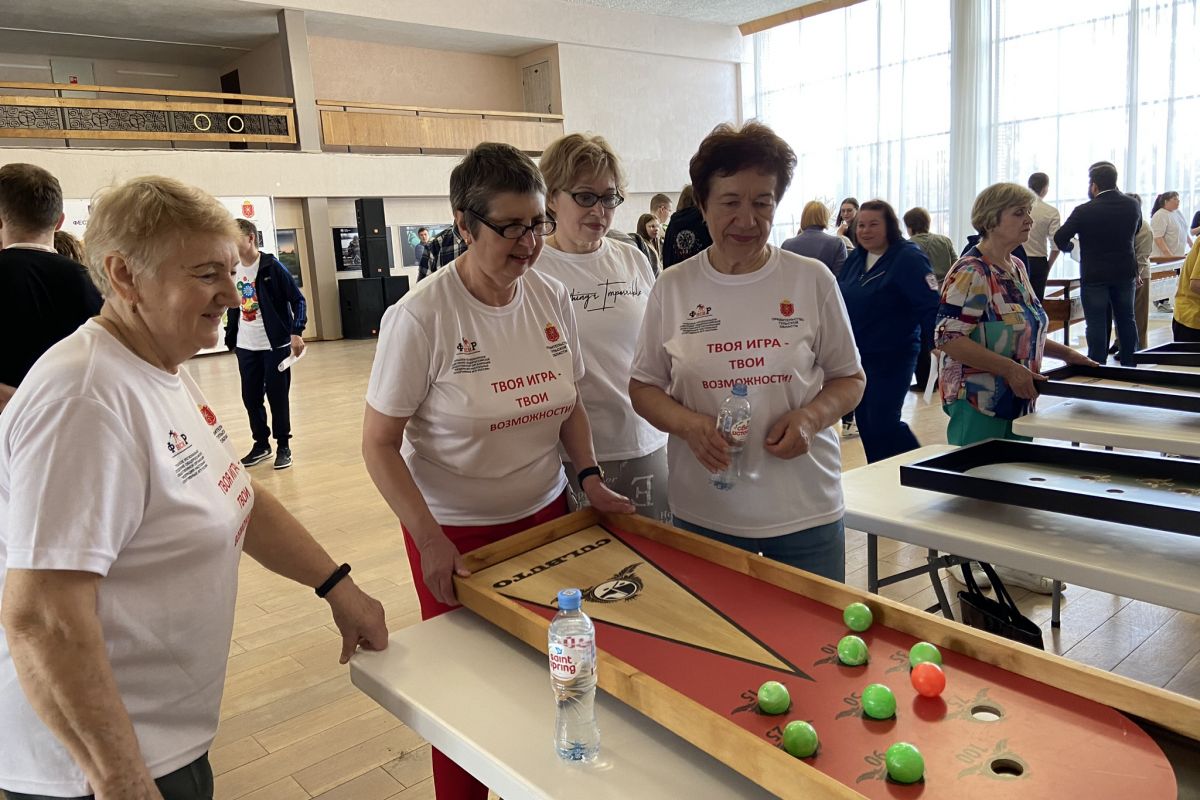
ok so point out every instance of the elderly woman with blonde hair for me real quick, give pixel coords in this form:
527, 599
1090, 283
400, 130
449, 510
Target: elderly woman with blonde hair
124, 512
813, 241
609, 283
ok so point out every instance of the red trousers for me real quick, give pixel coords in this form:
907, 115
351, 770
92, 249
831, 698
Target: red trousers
450, 781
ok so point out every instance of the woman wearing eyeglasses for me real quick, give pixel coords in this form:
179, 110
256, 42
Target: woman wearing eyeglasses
609, 283
472, 391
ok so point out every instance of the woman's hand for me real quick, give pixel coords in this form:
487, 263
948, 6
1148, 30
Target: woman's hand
792, 434
1022, 380
1078, 359
708, 446
440, 562
602, 498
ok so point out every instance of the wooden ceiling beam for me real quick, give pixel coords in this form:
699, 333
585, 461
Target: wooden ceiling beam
795, 15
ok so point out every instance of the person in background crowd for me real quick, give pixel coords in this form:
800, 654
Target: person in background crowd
813, 241
124, 514
940, 252
649, 231
67, 246
422, 243
1107, 225
937, 248
1171, 236
802, 374
46, 296
891, 296
686, 233
1143, 245
1185, 321
660, 207
609, 284
1195, 229
266, 328
847, 211
457, 455
992, 329
1040, 250
442, 249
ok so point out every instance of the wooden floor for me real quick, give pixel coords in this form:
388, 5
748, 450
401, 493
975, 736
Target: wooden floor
293, 727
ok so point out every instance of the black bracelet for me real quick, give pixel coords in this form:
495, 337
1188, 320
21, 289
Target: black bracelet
327, 587
588, 472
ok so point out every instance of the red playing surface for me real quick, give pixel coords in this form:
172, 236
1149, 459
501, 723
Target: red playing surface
1066, 746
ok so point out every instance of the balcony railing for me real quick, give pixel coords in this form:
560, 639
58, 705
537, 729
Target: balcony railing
417, 129
57, 112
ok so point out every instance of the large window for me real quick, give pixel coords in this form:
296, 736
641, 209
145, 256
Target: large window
864, 96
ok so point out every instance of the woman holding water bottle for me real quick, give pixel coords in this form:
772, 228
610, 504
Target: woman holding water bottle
745, 313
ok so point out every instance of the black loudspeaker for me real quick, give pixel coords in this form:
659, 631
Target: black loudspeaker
394, 289
372, 237
362, 306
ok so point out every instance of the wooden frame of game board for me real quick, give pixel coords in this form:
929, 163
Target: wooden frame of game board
767, 765
1059, 386
946, 473
1170, 354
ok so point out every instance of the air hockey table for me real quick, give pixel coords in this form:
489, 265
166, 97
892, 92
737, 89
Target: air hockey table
688, 629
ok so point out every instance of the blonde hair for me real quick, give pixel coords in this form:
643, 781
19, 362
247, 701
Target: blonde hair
994, 201
137, 217
814, 213
577, 156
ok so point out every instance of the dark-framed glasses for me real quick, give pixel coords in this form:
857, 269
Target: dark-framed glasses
589, 199
516, 230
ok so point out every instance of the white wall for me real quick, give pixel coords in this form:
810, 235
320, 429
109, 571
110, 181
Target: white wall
261, 70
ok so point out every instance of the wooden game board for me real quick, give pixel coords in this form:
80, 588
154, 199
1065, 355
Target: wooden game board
688, 629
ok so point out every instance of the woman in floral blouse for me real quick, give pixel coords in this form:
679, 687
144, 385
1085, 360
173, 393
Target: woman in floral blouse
991, 325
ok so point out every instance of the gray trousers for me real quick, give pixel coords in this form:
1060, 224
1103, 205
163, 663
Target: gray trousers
191, 782
643, 480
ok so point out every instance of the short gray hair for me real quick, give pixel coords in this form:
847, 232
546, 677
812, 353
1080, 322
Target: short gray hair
490, 169
993, 201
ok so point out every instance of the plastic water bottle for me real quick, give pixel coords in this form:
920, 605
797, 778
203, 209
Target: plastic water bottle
733, 423
573, 674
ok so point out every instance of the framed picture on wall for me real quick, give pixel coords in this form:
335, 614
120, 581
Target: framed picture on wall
413, 239
346, 250
285, 240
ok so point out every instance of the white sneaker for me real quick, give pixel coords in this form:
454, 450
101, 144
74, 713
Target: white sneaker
977, 573
1038, 584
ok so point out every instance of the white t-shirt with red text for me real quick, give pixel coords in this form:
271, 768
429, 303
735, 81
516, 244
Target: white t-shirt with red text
609, 289
111, 466
486, 391
783, 331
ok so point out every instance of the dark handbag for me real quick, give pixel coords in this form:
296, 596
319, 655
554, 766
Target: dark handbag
1000, 616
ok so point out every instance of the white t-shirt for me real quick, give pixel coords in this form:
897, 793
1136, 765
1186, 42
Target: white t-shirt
1169, 226
111, 466
782, 330
486, 391
609, 289
251, 334
1046, 222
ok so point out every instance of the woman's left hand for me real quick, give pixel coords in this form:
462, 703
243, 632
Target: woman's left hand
791, 435
1078, 359
359, 617
603, 498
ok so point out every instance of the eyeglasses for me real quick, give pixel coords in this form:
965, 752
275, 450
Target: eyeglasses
589, 199
516, 230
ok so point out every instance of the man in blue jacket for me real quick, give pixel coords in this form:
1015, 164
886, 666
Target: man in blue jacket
264, 330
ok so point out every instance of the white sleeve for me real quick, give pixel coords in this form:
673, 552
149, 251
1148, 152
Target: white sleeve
403, 368
78, 488
568, 316
1055, 223
836, 351
1158, 223
651, 364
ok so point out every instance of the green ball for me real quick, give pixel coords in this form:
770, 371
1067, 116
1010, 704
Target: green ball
852, 651
773, 698
800, 739
857, 617
924, 651
878, 702
905, 764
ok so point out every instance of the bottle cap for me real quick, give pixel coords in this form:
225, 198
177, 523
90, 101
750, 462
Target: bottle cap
569, 599
739, 389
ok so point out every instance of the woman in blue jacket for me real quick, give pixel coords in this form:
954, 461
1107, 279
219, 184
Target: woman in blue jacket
892, 298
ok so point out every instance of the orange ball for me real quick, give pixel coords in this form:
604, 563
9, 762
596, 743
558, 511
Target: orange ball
928, 679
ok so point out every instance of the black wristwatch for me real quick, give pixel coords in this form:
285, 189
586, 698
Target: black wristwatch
588, 472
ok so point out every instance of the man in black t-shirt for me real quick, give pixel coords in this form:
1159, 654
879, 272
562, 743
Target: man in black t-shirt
43, 296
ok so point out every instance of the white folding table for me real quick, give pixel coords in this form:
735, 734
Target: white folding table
1157, 430
484, 699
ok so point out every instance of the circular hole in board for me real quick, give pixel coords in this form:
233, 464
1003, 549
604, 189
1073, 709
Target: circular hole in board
1006, 767
1038, 480
1115, 491
986, 713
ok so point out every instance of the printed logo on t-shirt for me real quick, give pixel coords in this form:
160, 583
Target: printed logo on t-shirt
607, 294
177, 443
556, 347
468, 359
787, 315
249, 300
786, 308
551, 332
700, 320
188, 461
211, 419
